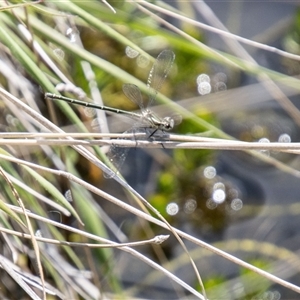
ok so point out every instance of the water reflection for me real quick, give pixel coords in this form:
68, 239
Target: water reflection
204, 199
203, 82
219, 196
204, 88
72, 33
209, 172
236, 204
266, 124
172, 209
264, 140
284, 138
142, 61
219, 87
189, 206
130, 52
203, 78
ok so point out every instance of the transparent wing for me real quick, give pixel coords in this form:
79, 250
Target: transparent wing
159, 72
177, 119
157, 76
116, 156
133, 93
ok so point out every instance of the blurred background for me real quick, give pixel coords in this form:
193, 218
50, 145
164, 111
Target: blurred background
245, 204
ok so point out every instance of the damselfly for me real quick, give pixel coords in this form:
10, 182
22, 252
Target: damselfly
146, 119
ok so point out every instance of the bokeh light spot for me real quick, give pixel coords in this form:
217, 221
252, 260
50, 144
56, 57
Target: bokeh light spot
172, 209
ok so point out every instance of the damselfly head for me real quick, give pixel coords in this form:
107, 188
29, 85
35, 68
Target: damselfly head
167, 123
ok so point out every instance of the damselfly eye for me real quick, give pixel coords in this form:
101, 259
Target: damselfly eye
168, 123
